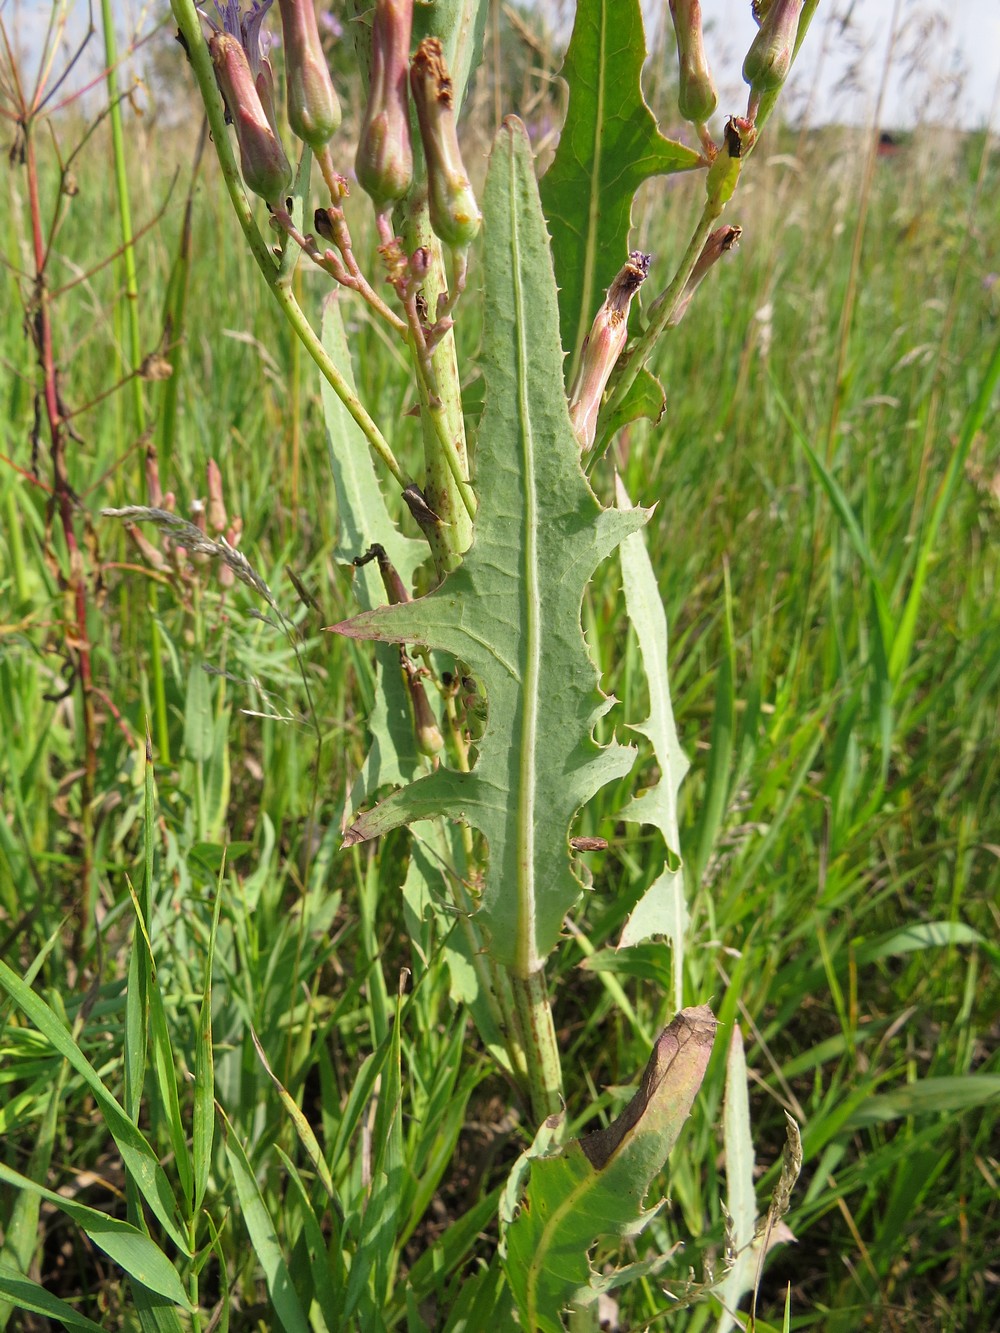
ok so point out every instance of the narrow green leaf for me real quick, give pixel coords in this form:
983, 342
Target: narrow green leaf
199, 723
165, 1076
913, 939
364, 520
21, 1234
662, 909
203, 1114
327, 1279
850, 524
596, 1186
609, 145
512, 609
928, 1096
133, 1251
264, 1238
140, 1160
23, 1294
973, 420
720, 760
302, 1127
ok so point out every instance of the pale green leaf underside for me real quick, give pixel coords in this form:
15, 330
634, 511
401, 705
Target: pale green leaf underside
662, 909
609, 145
741, 1198
363, 519
512, 610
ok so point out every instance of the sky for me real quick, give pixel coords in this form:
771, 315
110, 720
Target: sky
946, 55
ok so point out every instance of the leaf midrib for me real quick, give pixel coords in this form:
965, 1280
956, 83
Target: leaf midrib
526, 958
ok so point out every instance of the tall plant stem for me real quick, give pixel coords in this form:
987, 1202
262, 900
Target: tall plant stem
446, 461
135, 345
78, 643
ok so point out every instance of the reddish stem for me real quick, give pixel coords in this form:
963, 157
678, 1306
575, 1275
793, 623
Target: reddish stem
77, 643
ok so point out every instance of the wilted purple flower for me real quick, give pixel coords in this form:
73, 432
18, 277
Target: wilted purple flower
246, 28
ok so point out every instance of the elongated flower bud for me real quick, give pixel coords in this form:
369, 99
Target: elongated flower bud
262, 159
455, 215
425, 727
696, 98
313, 106
603, 346
216, 504
384, 161
719, 242
770, 56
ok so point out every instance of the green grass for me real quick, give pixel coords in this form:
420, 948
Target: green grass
843, 807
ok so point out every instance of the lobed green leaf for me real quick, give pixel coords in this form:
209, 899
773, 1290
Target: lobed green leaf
610, 144
512, 610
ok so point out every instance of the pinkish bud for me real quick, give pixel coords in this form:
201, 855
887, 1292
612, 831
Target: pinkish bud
216, 505
719, 243
151, 554
696, 98
454, 213
425, 728
313, 106
384, 161
262, 158
603, 346
154, 495
770, 56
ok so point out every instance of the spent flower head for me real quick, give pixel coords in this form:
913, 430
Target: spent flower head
239, 54
454, 213
603, 346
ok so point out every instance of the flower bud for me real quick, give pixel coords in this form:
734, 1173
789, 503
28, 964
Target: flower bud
603, 346
262, 159
384, 161
313, 106
719, 242
216, 505
425, 728
770, 56
696, 98
454, 213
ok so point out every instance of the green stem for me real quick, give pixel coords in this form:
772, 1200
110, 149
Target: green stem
446, 461
659, 317
161, 720
201, 62
541, 1050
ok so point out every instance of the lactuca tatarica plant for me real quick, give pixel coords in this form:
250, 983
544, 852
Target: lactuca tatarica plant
488, 700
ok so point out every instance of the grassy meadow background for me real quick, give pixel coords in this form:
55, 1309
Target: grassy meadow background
841, 820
